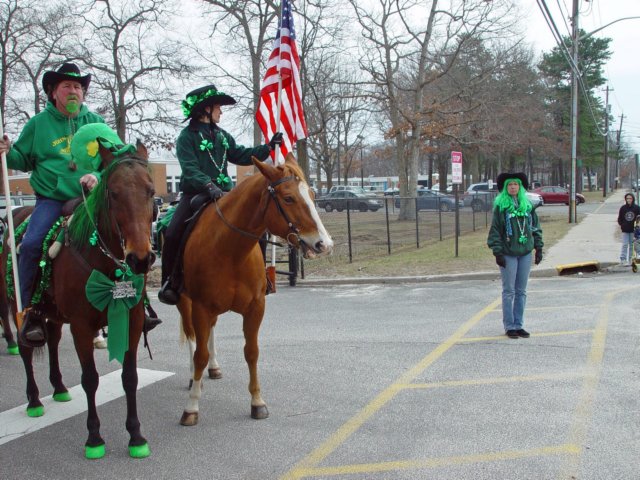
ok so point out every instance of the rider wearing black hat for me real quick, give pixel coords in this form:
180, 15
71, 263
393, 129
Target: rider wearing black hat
204, 151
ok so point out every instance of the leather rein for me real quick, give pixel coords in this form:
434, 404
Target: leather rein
271, 188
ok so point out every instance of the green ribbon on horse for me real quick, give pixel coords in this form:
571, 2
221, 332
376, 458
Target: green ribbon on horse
119, 298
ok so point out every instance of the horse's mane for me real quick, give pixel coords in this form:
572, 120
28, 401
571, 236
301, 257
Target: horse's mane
296, 170
85, 217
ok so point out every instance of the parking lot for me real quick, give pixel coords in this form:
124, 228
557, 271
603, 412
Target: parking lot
378, 382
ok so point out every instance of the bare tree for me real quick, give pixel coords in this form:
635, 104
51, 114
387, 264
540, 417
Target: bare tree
402, 48
135, 60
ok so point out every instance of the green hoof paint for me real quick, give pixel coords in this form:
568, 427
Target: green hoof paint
93, 453
35, 411
62, 397
139, 451
13, 350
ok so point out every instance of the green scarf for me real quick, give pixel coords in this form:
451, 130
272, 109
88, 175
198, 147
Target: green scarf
119, 298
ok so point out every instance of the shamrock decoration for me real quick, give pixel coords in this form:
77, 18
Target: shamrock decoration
205, 145
222, 179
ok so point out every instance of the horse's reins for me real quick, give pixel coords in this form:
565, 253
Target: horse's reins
101, 243
271, 188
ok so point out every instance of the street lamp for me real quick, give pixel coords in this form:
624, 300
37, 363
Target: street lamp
574, 102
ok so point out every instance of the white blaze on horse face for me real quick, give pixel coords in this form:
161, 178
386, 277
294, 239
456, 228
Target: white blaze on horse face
324, 238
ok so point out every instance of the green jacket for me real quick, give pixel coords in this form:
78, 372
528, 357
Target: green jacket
501, 243
195, 147
43, 149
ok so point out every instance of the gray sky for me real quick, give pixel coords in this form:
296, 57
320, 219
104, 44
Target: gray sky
622, 70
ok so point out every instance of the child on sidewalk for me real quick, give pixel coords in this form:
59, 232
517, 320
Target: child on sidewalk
626, 219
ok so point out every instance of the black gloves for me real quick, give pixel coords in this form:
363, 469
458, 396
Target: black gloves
275, 140
538, 257
214, 191
500, 261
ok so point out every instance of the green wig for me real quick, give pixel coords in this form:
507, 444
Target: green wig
505, 202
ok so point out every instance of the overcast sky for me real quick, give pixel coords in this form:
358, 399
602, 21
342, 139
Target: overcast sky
622, 70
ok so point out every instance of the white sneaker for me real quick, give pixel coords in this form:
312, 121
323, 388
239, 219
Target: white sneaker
99, 342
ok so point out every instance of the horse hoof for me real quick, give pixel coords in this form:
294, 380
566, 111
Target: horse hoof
93, 453
139, 451
215, 373
189, 419
62, 397
13, 350
35, 411
259, 412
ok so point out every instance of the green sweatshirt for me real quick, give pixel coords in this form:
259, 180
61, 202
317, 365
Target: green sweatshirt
43, 149
505, 241
204, 151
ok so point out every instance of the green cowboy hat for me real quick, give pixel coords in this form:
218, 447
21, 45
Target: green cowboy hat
68, 71
204, 96
84, 145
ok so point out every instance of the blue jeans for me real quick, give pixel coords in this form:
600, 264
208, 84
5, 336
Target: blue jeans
625, 252
514, 290
44, 215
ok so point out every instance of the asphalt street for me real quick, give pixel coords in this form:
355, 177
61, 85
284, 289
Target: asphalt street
380, 381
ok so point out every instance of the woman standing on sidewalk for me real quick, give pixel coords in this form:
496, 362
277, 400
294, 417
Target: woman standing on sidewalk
515, 232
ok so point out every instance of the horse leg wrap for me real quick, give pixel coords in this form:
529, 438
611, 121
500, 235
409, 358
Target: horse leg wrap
139, 451
93, 453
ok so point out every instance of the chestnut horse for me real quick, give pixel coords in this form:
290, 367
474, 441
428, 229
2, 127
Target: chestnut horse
109, 234
224, 268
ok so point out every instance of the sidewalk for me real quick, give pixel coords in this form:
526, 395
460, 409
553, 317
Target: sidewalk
591, 245
594, 240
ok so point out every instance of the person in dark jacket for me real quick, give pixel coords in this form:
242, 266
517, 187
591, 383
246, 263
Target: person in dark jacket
626, 218
204, 150
515, 232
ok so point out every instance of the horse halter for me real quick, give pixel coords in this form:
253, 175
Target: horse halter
101, 244
271, 188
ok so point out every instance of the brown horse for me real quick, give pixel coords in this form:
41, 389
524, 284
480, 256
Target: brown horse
224, 268
110, 234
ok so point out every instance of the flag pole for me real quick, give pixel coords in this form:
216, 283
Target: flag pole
11, 237
276, 161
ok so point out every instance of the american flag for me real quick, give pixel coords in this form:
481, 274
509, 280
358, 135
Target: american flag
285, 62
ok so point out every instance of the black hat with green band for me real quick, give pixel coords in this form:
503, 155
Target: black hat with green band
202, 97
68, 71
503, 177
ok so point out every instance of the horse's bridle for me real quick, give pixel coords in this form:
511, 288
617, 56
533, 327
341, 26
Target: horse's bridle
271, 188
121, 264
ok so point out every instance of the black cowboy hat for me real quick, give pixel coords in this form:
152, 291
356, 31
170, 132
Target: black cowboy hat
506, 176
68, 71
204, 96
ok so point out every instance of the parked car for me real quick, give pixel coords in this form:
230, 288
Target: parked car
347, 188
390, 192
430, 200
480, 196
557, 195
337, 200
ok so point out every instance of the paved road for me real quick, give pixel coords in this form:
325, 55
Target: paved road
378, 382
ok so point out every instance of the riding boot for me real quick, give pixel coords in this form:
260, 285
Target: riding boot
151, 319
167, 294
33, 332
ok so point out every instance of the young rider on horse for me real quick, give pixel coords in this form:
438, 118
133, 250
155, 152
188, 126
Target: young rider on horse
203, 150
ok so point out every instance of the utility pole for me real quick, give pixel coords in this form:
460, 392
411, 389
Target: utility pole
605, 184
574, 113
618, 151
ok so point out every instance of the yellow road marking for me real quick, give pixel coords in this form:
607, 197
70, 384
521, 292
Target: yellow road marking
353, 424
543, 334
497, 380
567, 449
583, 412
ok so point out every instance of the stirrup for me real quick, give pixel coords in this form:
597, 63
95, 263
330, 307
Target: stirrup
168, 295
32, 332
